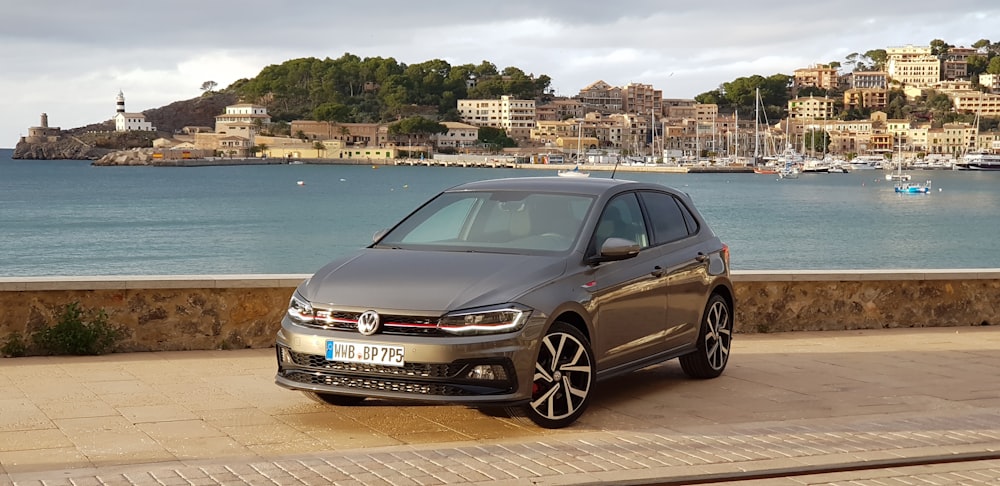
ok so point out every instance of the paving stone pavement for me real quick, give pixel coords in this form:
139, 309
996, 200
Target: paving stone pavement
838, 407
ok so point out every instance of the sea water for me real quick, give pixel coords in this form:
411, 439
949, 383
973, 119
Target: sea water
68, 218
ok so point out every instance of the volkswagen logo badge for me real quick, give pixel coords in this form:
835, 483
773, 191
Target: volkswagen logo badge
369, 323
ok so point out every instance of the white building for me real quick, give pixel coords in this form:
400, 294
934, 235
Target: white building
130, 122
516, 117
458, 135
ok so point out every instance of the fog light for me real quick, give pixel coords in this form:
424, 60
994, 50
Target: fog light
487, 372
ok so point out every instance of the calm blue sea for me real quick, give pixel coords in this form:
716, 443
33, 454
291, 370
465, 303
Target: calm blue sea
67, 218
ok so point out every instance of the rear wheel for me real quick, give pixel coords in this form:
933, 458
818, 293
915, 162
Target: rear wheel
564, 378
714, 341
335, 399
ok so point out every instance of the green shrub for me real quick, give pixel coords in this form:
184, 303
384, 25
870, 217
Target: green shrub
14, 346
79, 333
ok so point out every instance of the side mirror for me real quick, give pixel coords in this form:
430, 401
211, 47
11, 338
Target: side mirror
615, 249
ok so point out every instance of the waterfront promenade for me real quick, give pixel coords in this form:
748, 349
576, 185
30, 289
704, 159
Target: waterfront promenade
920, 406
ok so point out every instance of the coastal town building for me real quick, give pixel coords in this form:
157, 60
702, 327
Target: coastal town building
513, 116
459, 135
601, 96
642, 99
866, 98
868, 79
990, 81
560, 109
954, 62
812, 108
912, 66
361, 134
129, 122
820, 76
242, 119
976, 102
678, 109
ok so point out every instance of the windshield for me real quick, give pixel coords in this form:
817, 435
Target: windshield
503, 221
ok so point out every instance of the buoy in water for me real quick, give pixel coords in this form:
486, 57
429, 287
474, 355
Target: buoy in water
301, 183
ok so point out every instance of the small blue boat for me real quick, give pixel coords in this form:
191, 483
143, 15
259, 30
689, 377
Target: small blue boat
913, 188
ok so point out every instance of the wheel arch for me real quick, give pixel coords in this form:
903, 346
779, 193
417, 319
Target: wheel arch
574, 319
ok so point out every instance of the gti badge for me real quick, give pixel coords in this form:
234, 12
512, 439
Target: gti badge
368, 323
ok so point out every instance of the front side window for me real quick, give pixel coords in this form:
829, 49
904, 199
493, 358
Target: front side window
622, 218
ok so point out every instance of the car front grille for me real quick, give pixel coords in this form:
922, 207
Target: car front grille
405, 325
444, 380
374, 384
410, 369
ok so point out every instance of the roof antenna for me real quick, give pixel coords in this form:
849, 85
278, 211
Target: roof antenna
615, 169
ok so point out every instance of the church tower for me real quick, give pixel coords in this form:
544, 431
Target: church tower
121, 102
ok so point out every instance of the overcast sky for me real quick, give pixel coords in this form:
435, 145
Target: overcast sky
70, 59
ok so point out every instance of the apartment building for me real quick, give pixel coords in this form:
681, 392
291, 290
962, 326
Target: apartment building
679, 109
602, 96
820, 76
238, 117
642, 99
513, 116
459, 135
913, 66
811, 108
868, 79
984, 104
990, 81
363, 134
954, 64
560, 109
866, 98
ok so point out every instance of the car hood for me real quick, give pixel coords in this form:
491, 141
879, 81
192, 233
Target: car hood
429, 281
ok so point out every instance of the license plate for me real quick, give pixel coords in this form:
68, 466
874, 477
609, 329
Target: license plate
380, 354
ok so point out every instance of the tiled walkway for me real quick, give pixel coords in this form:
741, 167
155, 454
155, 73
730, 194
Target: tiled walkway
789, 404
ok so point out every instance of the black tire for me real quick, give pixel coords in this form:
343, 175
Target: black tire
334, 399
564, 378
714, 341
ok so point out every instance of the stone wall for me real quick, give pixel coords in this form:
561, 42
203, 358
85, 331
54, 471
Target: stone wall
226, 312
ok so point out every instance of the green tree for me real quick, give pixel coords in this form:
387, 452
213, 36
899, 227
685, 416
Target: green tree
416, 125
495, 137
940, 48
320, 148
994, 66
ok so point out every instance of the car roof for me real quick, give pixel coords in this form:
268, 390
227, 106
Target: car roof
591, 186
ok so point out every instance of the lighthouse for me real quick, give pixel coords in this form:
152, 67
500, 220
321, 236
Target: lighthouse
130, 122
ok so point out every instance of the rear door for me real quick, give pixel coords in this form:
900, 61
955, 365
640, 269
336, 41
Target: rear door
676, 244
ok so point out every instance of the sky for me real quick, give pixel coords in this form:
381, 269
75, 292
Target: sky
70, 59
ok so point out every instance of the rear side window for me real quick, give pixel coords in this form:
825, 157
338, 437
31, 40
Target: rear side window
669, 218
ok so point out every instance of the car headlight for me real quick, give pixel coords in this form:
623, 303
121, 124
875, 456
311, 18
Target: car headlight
300, 310
491, 320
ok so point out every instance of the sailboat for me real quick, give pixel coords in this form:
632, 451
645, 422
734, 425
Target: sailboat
575, 171
904, 186
759, 167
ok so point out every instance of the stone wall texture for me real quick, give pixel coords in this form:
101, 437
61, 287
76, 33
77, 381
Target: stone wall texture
189, 313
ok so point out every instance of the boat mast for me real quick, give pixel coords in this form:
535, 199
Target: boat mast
756, 128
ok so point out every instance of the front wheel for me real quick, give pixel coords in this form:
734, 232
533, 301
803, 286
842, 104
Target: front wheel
564, 378
714, 340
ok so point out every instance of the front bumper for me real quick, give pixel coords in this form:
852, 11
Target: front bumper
437, 369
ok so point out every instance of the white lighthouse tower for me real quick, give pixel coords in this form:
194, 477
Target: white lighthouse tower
129, 122
120, 102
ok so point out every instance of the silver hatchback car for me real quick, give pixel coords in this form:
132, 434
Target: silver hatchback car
521, 293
